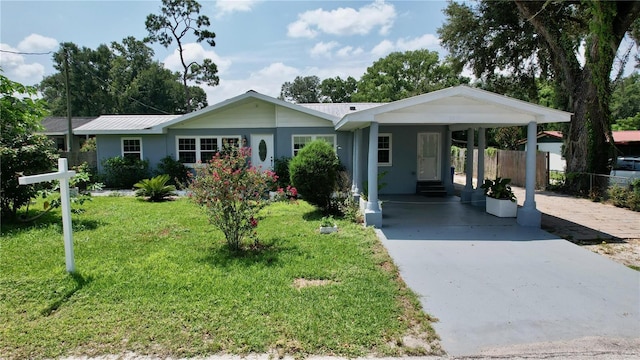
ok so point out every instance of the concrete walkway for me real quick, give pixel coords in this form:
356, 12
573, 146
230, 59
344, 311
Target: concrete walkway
494, 284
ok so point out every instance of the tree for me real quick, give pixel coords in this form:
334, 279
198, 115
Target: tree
21, 151
177, 19
625, 99
314, 173
402, 75
336, 90
302, 90
543, 39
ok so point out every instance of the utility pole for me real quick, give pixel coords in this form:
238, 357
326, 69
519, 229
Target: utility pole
66, 80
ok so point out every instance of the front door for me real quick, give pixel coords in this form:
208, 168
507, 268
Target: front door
262, 151
429, 156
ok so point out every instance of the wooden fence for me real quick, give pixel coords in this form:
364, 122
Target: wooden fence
506, 164
76, 158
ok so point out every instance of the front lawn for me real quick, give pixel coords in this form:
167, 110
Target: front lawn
156, 278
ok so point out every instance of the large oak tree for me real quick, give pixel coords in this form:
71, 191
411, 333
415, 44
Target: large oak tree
547, 40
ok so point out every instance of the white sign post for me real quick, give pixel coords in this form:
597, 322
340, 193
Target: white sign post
63, 175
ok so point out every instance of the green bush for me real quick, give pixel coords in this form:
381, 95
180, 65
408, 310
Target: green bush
281, 168
155, 189
122, 173
177, 171
314, 173
618, 196
25, 154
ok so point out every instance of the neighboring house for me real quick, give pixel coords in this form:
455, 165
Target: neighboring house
551, 142
56, 128
409, 139
627, 142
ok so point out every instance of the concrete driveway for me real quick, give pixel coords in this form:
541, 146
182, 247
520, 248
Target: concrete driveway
492, 283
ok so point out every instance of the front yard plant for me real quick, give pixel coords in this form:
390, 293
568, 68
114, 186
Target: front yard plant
155, 189
157, 280
232, 192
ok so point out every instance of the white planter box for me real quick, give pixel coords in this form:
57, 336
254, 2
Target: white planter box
328, 229
501, 208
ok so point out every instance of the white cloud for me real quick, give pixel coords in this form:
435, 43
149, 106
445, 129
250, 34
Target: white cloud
383, 48
267, 81
344, 21
426, 41
349, 51
323, 49
37, 43
224, 7
16, 68
195, 52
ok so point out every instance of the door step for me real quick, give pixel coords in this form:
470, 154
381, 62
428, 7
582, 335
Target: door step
431, 189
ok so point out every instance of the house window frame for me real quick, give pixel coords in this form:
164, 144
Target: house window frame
125, 153
389, 149
198, 150
313, 138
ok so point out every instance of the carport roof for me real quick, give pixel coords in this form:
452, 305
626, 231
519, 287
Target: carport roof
460, 107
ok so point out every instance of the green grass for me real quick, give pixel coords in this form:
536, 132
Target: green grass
156, 278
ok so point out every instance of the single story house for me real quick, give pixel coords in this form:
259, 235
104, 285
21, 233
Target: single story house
57, 129
409, 139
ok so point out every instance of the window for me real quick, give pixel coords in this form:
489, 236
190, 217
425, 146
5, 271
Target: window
384, 150
132, 148
202, 148
299, 141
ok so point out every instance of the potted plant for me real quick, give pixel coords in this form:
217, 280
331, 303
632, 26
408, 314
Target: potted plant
328, 225
501, 201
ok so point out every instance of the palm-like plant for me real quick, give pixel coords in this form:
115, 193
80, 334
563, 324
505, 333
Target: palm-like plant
155, 189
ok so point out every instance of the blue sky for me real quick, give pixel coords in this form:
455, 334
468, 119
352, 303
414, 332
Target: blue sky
259, 44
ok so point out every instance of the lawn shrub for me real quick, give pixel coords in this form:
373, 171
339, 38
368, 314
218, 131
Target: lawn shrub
314, 172
155, 189
281, 168
626, 197
123, 172
232, 192
177, 171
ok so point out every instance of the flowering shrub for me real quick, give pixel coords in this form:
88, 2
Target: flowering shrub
232, 192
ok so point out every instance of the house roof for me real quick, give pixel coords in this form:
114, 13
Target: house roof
622, 137
245, 98
550, 133
460, 107
57, 125
339, 110
123, 124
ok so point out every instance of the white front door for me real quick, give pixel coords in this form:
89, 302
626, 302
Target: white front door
262, 151
429, 156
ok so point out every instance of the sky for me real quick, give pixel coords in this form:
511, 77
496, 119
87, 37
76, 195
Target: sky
260, 44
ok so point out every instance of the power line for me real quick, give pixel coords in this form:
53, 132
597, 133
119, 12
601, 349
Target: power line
26, 53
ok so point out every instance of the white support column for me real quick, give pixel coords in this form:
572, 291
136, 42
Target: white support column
478, 195
529, 215
353, 162
467, 193
373, 214
357, 143
448, 183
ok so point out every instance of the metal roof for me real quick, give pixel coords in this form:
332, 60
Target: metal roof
340, 109
123, 124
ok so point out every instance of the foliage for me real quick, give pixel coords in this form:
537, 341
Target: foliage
178, 173
627, 197
625, 98
21, 151
122, 172
381, 184
89, 145
544, 40
148, 277
402, 75
177, 19
314, 172
121, 78
337, 90
281, 168
155, 189
85, 178
302, 90
232, 192
327, 221
508, 138
498, 189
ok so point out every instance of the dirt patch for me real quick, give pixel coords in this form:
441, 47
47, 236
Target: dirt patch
625, 252
303, 283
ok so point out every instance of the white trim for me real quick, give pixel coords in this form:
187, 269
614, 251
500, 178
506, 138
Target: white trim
122, 139
313, 137
198, 149
390, 163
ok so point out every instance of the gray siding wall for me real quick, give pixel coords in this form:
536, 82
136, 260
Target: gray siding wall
401, 176
154, 148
